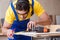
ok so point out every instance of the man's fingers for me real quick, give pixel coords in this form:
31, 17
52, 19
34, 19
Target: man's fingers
10, 33
29, 25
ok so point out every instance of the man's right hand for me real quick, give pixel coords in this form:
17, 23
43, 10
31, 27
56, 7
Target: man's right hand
10, 33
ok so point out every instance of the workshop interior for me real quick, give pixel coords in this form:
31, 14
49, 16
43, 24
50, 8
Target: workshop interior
52, 7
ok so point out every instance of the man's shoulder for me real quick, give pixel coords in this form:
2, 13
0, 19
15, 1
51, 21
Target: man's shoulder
14, 2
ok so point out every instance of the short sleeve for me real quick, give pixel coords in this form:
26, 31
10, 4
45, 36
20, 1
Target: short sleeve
9, 17
38, 9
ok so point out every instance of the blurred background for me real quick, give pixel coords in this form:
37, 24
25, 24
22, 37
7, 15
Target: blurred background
52, 7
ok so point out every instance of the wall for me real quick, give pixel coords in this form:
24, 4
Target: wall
58, 20
51, 6
3, 7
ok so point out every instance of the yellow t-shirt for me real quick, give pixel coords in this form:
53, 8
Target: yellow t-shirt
10, 17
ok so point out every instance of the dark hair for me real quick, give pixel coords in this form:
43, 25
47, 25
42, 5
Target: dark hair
23, 5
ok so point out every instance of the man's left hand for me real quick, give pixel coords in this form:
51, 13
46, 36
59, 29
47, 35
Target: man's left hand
31, 24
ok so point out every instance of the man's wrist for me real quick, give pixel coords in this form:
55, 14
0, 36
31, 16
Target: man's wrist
36, 22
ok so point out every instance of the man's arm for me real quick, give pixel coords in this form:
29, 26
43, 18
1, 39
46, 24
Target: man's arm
5, 27
44, 19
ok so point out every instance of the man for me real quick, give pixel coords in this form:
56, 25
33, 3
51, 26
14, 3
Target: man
20, 21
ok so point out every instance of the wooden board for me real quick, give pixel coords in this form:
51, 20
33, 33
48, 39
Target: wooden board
34, 34
26, 33
53, 28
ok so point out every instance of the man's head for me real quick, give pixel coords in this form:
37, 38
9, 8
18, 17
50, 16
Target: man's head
22, 6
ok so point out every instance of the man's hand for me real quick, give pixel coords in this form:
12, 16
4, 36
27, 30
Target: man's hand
10, 33
31, 24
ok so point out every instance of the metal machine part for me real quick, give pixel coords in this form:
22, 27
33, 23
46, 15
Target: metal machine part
39, 29
58, 30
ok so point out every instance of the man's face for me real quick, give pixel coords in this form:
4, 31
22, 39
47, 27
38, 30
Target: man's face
23, 14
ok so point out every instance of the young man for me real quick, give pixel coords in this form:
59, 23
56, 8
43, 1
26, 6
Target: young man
20, 21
